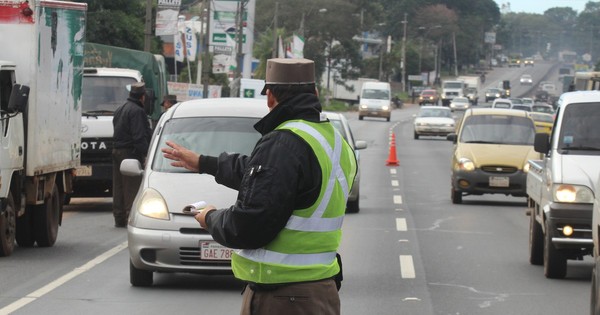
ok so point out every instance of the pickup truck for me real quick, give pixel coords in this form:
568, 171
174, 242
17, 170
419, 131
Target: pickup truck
560, 187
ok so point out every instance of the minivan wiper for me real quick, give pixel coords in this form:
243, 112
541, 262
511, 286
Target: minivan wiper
481, 141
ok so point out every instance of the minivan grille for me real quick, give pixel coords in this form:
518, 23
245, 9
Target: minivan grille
499, 169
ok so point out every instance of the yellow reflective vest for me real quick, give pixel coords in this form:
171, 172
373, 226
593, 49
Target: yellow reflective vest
305, 250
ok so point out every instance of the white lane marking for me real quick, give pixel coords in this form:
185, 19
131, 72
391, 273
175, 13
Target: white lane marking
392, 171
395, 183
397, 199
62, 280
401, 224
407, 268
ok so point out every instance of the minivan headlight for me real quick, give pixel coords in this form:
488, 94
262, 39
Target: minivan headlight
153, 205
385, 107
465, 164
572, 194
526, 167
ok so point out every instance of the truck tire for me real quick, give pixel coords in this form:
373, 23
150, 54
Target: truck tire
536, 241
46, 218
25, 237
139, 277
416, 136
456, 196
594, 301
555, 263
8, 223
353, 206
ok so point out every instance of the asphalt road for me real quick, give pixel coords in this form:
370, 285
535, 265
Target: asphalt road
408, 251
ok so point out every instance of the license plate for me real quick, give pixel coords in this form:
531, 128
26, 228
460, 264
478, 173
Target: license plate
499, 181
214, 251
83, 170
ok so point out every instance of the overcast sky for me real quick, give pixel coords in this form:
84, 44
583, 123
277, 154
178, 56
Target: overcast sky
539, 6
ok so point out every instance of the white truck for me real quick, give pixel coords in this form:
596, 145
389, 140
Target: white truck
451, 89
41, 71
561, 186
473, 87
350, 90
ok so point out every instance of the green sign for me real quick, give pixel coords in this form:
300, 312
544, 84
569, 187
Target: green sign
249, 93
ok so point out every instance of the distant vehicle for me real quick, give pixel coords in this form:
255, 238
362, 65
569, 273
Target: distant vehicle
514, 62
516, 101
502, 103
472, 95
527, 100
375, 100
528, 62
526, 108
526, 79
586, 80
460, 103
491, 150
492, 94
433, 121
429, 97
549, 87
542, 108
452, 89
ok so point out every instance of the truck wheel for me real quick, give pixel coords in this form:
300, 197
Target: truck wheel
456, 196
45, 220
555, 264
360, 117
388, 119
416, 135
139, 277
353, 206
8, 222
536, 242
25, 237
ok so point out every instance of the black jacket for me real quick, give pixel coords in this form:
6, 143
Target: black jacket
132, 128
282, 174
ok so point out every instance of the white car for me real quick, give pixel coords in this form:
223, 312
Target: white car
526, 79
502, 103
433, 121
162, 238
460, 103
341, 123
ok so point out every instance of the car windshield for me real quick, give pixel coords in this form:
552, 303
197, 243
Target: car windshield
434, 112
542, 109
208, 135
580, 130
522, 107
376, 94
542, 117
453, 85
104, 94
498, 129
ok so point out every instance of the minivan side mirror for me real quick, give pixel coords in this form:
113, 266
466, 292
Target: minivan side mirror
18, 98
451, 137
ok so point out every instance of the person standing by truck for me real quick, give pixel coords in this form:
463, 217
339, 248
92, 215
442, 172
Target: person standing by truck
131, 139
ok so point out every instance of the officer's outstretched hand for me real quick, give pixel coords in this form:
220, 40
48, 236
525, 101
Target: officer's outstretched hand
181, 156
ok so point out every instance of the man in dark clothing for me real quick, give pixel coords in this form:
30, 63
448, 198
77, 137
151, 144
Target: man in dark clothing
131, 139
286, 222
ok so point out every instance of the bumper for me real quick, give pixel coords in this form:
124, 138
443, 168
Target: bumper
479, 182
433, 131
578, 216
172, 251
374, 112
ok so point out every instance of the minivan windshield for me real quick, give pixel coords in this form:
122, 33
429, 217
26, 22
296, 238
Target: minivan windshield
209, 135
498, 129
580, 129
376, 94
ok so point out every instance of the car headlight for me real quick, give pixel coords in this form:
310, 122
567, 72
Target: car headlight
385, 107
572, 194
526, 167
466, 164
153, 205
363, 106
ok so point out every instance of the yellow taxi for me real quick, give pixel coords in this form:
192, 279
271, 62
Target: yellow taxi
543, 122
491, 150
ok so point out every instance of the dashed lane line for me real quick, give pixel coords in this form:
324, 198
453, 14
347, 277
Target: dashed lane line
407, 268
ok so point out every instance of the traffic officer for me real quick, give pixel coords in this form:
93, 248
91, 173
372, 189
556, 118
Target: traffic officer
286, 223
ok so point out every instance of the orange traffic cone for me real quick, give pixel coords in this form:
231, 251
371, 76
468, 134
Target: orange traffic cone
392, 160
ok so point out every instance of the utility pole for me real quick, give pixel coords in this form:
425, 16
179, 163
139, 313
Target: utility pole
275, 40
240, 39
403, 61
206, 68
148, 26
455, 58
